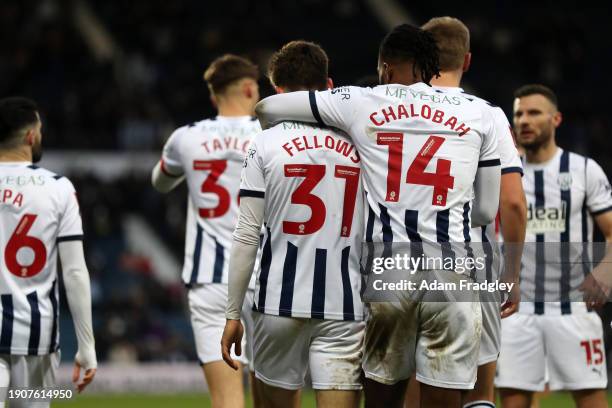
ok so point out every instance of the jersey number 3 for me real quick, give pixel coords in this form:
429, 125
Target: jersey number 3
20, 239
216, 169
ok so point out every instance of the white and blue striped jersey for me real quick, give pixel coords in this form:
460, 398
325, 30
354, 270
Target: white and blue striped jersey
510, 161
38, 209
562, 196
210, 154
421, 148
310, 179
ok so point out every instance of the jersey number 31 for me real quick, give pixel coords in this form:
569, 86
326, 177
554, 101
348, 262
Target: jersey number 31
313, 174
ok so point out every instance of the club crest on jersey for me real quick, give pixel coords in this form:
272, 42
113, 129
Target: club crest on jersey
541, 220
565, 181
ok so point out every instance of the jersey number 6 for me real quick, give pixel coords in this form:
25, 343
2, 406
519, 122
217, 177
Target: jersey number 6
20, 239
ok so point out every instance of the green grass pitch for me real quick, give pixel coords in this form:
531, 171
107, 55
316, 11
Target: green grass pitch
560, 400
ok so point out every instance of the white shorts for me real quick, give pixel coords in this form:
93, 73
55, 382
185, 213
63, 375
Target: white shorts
437, 340
207, 308
285, 347
27, 372
568, 350
490, 340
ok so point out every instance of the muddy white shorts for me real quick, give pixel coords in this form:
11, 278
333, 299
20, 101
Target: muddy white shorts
207, 309
439, 340
27, 372
567, 350
285, 347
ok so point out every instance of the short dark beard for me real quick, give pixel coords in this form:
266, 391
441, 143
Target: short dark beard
536, 144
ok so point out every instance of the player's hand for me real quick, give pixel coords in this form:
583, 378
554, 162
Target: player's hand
594, 292
87, 378
232, 334
81, 360
511, 305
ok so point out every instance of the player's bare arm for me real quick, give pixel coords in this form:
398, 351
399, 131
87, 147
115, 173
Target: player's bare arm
597, 285
242, 261
513, 212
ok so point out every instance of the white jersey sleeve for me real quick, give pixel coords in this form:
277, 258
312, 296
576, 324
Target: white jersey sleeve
598, 190
70, 224
252, 182
172, 163
508, 155
336, 107
489, 154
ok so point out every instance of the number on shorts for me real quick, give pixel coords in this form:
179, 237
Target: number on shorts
592, 347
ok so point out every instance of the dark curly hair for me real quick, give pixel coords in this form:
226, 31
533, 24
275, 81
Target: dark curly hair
408, 43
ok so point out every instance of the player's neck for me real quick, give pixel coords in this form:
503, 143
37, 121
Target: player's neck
17, 154
451, 79
235, 107
542, 154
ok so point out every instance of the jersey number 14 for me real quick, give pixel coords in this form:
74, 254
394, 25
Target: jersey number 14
441, 180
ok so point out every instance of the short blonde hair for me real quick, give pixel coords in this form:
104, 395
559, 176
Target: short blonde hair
453, 40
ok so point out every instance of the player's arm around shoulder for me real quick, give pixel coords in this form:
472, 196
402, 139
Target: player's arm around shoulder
168, 172
335, 107
284, 107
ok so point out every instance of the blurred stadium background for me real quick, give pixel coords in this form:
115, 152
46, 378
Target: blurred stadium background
114, 78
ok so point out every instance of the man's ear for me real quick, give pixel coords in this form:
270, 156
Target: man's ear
557, 118
279, 90
387, 73
467, 60
330, 83
30, 137
247, 89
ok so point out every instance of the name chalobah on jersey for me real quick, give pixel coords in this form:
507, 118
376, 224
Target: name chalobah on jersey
461, 285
